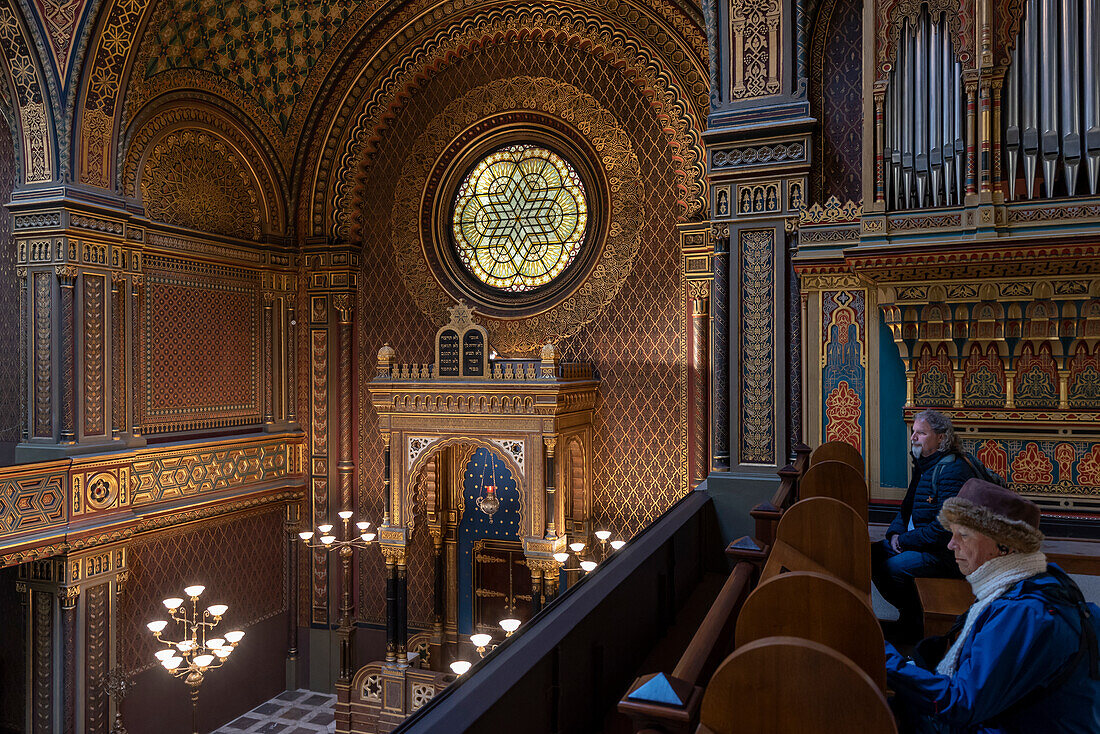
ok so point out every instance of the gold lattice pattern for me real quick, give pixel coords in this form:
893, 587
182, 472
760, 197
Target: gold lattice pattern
637, 345
240, 560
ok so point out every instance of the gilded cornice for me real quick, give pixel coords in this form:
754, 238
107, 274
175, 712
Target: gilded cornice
86, 502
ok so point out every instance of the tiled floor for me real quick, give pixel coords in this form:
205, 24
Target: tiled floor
291, 712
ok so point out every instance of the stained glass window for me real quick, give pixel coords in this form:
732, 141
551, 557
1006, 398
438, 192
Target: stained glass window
519, 218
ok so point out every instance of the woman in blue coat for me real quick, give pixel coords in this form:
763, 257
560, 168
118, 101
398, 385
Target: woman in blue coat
1024, 659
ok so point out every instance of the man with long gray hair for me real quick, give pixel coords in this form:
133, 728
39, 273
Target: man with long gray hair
916, 542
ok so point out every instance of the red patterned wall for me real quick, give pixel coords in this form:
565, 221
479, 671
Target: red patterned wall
635, 344
201, 340
240, 559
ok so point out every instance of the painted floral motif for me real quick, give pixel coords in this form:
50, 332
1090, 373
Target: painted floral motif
1036, 378
842, 413
994, 456
1032, 466
1088, 469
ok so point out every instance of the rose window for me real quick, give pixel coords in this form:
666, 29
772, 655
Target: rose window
519, 219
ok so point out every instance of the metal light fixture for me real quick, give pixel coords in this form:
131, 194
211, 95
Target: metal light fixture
488, 502
325, 539
588, 564
195, 652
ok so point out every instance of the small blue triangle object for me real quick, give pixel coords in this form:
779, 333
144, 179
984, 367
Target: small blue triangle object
658, 690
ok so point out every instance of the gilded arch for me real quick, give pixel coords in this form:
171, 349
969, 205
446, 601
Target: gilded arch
209, 139
678, 90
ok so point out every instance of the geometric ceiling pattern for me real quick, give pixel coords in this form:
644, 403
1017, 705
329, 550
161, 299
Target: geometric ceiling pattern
267, 49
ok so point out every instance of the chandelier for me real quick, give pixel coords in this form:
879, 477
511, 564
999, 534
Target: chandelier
193, 651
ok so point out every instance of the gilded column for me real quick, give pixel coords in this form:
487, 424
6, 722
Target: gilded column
550, 442
387, 511
268, 314
440, 588
137, 299
118, 355
536, 588
344, 467
24, 376
292, 366
391, 605
66, 275
700, 338
720, 328
291, 523
402, 609
68, 596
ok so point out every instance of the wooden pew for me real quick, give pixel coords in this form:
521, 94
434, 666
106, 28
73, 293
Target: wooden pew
824, 535
839, 451
789, 685
838, 480
816, 606
942, 600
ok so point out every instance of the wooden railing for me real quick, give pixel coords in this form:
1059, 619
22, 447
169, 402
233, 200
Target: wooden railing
767, 514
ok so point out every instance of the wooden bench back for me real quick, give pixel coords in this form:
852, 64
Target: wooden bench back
837, 480
788, 685
839, 451
815, 606
824, 535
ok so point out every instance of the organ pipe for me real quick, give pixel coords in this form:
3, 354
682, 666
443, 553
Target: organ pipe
924, 146
1052, 99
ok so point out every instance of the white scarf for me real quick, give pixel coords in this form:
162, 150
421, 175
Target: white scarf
989, 581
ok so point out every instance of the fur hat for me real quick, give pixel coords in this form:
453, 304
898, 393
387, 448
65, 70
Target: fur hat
1000, 513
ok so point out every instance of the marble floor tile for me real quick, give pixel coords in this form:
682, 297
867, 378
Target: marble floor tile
291, 712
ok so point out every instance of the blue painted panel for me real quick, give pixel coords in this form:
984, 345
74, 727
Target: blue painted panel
484, 467
893, 433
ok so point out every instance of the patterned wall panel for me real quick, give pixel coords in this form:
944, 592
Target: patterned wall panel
836, 94
757, 58
177, 474
32, 503
844, 366
10, 378
1036, 377
983, 378
60, 18
935, 378
757, 368
1069, 467
1084, 378
240, 559
201, 346
97, 651
636, 345
95, 349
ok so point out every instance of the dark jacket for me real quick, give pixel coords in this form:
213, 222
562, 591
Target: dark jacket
1021, 642
923, 502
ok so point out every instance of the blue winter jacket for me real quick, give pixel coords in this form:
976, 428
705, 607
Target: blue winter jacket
923, 502
1020, 642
